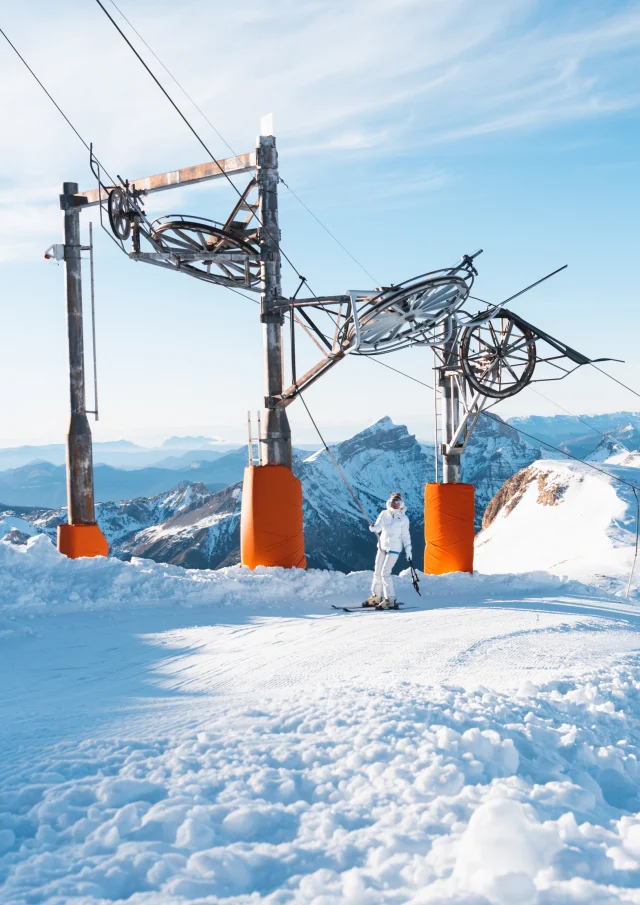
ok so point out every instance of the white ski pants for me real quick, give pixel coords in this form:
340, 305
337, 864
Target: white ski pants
382, 585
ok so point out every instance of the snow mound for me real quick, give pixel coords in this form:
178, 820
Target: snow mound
344, 797
36, 579
562, 518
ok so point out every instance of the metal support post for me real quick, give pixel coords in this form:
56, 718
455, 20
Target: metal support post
80, 493
275, 446
451, 454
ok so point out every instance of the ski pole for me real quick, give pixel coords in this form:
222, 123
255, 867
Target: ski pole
415, 581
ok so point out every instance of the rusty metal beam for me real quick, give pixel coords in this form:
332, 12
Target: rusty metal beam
213, 169
291, 393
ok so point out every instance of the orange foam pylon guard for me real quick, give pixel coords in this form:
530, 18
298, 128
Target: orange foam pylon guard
448, 528
82, 540
271, 518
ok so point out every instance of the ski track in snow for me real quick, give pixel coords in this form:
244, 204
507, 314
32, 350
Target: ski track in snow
170, 737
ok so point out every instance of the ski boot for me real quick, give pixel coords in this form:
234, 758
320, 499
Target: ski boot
372, 601
387, 604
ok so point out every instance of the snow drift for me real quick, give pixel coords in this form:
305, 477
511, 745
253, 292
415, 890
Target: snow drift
172, 736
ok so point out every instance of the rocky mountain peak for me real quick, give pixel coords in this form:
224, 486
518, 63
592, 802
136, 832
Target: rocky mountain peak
382, 435
606, 448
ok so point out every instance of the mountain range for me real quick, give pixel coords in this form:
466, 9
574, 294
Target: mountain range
580, 435
200, 528
43, 485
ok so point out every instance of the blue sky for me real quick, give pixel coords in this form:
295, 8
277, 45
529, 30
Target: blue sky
415, 130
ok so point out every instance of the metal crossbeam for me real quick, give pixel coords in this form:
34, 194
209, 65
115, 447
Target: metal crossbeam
234, 257
213, 169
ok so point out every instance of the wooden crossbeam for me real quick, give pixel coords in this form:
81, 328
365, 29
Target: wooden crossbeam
213, 169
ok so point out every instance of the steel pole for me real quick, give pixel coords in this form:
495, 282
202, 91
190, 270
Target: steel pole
451, 460
275, 439
80, 496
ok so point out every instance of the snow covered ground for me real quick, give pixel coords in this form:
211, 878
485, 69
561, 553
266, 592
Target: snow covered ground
225, 737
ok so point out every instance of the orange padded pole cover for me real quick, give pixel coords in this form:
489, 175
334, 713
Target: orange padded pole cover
448, 528
271, 518
82, 540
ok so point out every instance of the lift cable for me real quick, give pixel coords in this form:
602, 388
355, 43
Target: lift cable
327, 230
191, 128
615, 379
567, 412
522, 291
567, 455
233, 151
331, 456
52, 99
519, 430
174, 79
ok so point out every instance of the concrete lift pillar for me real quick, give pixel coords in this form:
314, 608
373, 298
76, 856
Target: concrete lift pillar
81, 536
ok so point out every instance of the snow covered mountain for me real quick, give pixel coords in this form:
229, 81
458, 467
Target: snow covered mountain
494, 453
580, 435
607, 448
202, 536
564, 518
197, 528
120, 521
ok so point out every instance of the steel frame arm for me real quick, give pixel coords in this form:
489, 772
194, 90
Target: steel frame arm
213, 169
292, 392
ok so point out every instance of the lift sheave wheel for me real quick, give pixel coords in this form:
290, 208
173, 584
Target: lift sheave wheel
119, 214
498, 357
182, 235
401, 316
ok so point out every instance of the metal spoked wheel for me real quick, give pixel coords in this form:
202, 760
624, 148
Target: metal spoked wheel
118, 210
403, 316
180, 235
498, 357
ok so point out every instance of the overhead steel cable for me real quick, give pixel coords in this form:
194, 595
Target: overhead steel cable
529, 436
234, 152
191, 128
327, 230
615, 379
52, 99
174, 79
522, 291
332, 457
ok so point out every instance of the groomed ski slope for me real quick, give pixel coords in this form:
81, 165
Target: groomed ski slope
224, 737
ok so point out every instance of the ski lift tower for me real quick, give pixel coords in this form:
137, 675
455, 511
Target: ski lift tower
482, 357
241, 252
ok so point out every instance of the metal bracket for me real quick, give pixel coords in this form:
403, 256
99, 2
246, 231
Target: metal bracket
55, 253
69, 202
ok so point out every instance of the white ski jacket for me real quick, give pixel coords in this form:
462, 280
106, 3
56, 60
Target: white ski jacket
392, 528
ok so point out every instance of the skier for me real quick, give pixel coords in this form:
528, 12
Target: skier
392, 528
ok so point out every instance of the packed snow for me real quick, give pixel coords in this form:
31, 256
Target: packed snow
172, 736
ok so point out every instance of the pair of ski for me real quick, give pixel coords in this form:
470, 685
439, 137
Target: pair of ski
361, 608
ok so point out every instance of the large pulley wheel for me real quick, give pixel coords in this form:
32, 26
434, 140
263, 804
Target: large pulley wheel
498, 357
119, 214
183, 236
401, 316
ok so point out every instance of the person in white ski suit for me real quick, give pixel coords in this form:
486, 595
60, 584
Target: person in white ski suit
392, 529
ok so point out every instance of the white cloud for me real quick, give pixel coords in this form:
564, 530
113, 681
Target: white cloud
380, 76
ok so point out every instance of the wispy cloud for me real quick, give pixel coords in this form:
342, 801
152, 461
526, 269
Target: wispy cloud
342, 78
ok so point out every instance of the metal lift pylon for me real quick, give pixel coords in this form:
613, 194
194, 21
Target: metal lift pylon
235, 253
81, 536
